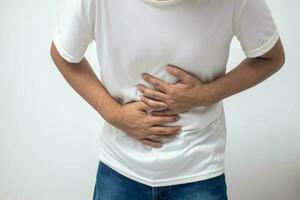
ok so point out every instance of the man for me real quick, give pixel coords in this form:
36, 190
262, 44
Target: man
163, 79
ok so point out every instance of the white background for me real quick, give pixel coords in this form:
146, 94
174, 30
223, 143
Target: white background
49, 134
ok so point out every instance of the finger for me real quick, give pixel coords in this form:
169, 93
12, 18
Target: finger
179, 73
153, 137
160, 137
151, 143
153, 103
163, 112
143, 106
151, 93
156, 83
159, 120
164, 130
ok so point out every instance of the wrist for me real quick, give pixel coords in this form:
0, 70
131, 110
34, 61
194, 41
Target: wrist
212, 93
114, 118
113, 113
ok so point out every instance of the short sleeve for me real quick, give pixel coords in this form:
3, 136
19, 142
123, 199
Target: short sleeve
74, 31
255, 28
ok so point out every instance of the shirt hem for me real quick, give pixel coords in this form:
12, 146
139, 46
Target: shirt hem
161, 3
62, 51
264, 48
165, 182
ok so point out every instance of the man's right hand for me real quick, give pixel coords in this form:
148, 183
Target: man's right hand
132, 118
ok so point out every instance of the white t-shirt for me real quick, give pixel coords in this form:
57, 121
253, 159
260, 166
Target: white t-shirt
139, 36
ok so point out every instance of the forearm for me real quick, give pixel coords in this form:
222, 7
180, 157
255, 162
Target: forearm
247, 74
84, 81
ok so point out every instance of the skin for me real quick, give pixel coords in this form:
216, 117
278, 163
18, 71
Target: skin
190, 92
131, 117
187, 93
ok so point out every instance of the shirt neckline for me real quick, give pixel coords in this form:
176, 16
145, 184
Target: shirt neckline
161, 3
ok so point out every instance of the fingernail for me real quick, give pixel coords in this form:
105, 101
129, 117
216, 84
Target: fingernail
178, 117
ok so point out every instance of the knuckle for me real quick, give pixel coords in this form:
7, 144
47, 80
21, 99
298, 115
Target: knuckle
171, 101
172, 90
159, 106
155, 84
156, 137
159, 119
154, 95
165, 130
161, 130
163, 105
147, 121
167, 119
153, 137
144, 141
143, 131
134, 126
145, 99
173, 118
147, 142
189, 78
170, 131
142, 88
153, 103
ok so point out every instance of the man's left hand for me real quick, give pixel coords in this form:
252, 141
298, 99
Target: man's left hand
187, 93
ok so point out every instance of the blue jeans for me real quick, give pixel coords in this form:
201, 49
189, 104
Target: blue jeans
111, 185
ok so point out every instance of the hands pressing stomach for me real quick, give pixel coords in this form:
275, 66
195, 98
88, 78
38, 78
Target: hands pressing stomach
132, 118
170, 99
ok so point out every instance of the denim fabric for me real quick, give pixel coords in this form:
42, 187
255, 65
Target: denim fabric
111, 185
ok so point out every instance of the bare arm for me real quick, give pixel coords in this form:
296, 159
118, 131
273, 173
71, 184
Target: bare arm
190, 92
248, 73
130, 117
84, 81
